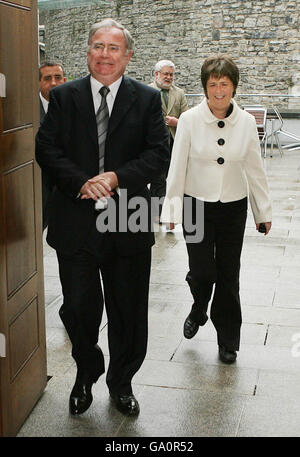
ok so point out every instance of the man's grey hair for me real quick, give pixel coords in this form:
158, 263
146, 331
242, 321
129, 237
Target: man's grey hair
164, 63
109, 23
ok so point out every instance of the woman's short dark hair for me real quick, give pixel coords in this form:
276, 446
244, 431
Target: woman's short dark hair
219, 66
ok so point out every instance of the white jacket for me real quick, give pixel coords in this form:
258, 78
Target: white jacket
194, 169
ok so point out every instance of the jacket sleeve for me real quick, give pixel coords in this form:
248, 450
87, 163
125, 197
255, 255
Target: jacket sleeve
154, 157
50, 153
257, 181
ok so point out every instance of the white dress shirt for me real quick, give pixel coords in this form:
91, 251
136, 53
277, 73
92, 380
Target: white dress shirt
195, 170
44, 102
110, 98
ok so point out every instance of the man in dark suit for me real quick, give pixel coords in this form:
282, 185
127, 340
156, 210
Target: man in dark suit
51, 74
136, 149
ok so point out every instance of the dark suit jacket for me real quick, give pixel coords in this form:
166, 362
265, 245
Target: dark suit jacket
42, 111
47, 184
67, 150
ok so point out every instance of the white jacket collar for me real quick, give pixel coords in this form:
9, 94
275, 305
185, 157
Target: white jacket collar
209, 118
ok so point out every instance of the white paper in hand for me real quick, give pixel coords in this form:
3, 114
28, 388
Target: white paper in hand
101, 204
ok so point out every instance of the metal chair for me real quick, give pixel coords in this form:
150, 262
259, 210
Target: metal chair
280, 130
260, 114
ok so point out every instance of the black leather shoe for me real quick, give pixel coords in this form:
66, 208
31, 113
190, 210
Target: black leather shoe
126, 404
190, 327
81, 395
227, 356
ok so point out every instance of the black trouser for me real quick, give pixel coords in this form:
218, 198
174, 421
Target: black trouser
216, 260
126, 287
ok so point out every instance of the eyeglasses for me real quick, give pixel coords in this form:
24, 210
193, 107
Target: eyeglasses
111, 48
167, 73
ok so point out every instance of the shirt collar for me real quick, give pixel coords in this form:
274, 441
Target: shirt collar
113, 88
161, 88
44, 102
209, 118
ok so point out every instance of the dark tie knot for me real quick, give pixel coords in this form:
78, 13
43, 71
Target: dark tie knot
104, 91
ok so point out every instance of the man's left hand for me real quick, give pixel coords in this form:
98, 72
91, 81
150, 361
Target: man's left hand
268, 227
171, 121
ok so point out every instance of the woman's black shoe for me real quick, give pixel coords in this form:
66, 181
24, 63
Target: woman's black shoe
196, 318
190, 327
227, 356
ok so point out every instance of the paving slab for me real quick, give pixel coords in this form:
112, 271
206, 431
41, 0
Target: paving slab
182, 383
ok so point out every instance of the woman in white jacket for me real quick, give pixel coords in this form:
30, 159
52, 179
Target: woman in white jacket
216, 166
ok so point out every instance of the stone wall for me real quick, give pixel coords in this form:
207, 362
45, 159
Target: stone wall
262, 36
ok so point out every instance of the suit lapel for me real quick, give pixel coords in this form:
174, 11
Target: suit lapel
83, 99
125, 98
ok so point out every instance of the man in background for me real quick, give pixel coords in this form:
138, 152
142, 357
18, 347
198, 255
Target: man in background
173, 105
51, 74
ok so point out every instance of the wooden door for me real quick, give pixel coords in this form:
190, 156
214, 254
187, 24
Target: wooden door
22, 322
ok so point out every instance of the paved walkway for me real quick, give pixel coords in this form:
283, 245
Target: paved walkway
182, 387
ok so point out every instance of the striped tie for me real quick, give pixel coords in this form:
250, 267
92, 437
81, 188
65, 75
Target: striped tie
102, 118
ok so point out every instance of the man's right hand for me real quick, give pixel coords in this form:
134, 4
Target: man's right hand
96, 188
